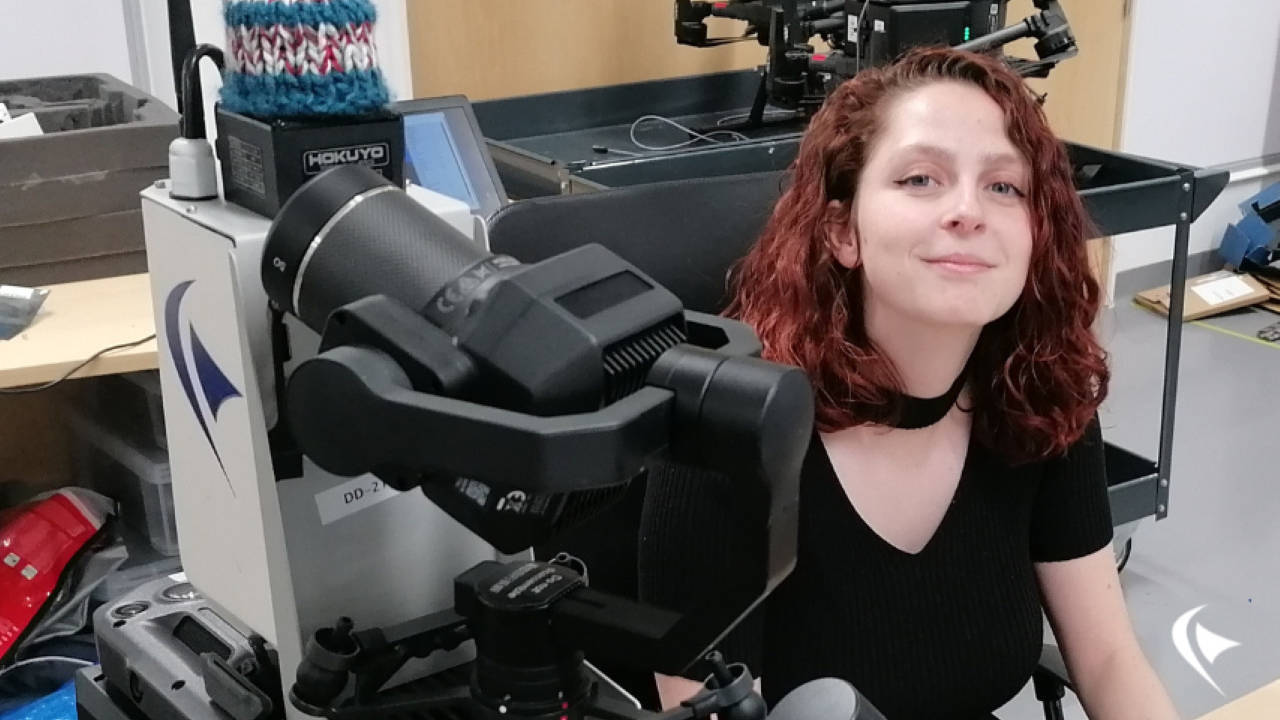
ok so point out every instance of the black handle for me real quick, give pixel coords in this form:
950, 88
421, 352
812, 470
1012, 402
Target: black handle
192, 103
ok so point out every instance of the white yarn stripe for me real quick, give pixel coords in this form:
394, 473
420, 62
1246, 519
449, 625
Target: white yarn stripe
301, 49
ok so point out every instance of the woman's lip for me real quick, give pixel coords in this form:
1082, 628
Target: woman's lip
960, 266
960, 260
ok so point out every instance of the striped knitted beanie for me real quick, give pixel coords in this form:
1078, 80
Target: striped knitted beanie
301, 58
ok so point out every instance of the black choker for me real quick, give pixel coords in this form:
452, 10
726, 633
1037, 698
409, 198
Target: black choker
919, 413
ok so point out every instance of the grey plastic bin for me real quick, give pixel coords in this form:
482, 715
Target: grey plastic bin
69, 207
138, 479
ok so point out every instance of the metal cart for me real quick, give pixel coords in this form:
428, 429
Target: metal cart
580, 141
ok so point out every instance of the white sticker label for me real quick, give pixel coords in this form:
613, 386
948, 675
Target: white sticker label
350, 497
24, 126
879, 26
15, 292
1217, 292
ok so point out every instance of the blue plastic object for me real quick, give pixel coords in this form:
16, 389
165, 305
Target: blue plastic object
1255, 239
61, 705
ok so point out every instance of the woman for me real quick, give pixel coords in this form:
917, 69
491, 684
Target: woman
927, 268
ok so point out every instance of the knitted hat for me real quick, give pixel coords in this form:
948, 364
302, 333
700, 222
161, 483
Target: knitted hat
301, 58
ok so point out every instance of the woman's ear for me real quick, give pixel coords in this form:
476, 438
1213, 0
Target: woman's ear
842, 237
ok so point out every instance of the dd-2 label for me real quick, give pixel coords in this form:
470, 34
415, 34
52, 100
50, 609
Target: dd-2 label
352, 496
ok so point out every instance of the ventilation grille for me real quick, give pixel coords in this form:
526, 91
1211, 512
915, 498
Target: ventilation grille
627, 363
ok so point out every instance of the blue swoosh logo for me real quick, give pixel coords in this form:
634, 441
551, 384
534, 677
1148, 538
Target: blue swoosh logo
213, 382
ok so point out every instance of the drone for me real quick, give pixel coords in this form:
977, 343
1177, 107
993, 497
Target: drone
862, 34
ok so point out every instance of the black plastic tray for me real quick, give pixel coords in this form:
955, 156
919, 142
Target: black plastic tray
547, 145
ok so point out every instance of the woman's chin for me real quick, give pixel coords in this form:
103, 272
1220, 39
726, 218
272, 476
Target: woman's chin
973, 313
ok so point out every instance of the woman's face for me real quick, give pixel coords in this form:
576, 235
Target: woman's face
940, 226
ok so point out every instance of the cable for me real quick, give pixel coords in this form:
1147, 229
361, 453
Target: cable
770, 115
696, 135
46, 658
74, 370
191, 124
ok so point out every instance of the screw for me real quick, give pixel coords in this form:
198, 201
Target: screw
1182, 217
1186, 187
191, 209
1160, 508
1164, 483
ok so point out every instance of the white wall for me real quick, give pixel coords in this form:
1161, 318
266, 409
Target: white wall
1203, 88
130, 40
62, 37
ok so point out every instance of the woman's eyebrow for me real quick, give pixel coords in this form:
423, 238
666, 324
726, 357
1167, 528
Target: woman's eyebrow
1002, 159
932, 152
941, 154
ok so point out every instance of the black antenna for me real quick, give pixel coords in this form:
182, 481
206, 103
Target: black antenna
182, 38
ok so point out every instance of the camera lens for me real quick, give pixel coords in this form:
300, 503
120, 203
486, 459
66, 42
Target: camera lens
350, 233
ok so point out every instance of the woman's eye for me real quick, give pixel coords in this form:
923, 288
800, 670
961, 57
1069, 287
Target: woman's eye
1004, 188
916, 181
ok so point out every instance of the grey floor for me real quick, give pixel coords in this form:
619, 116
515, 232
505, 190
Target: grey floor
1219, 547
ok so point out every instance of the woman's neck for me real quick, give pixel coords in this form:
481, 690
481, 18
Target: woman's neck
928, 357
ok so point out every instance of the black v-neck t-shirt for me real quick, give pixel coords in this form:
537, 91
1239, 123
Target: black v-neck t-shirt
954, 631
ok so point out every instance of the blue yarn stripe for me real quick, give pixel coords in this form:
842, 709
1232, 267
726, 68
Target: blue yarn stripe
308, 95
334, 12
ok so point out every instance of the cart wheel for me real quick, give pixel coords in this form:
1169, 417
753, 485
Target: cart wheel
1123, 553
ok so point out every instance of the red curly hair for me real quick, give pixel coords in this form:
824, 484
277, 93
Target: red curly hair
1037, 374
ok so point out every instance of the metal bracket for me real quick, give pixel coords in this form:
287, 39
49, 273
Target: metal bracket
1173, 338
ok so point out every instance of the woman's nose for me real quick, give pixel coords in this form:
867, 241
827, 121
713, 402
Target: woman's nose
965, 214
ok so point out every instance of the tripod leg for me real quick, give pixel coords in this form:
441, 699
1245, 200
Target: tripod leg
756, 118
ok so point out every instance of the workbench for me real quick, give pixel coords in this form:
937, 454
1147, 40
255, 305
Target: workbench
1261, 704
77, 320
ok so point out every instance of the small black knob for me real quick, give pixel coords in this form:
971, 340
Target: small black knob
721, 675
338, 640
322, 674
733, 687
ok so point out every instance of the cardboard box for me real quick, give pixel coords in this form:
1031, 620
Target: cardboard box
1272, 283
1208, 295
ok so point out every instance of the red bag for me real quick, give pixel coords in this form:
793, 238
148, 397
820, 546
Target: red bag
38, 541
